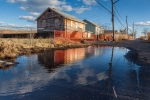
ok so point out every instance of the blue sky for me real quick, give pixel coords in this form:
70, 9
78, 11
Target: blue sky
24, 12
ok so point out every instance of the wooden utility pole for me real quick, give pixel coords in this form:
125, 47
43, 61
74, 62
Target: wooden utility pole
133, 27
133, 31
113, 25
112, 12
127, 23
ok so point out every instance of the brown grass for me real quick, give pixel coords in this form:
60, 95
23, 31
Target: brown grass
12, 47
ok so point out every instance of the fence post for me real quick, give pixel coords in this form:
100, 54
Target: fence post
30, 37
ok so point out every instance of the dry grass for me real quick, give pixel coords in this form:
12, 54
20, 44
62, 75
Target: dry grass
12, 47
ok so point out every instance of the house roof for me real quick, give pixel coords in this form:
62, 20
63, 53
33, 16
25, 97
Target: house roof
65, 15
91, 22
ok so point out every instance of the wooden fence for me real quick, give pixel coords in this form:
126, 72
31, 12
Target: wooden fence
66, 36
10, 33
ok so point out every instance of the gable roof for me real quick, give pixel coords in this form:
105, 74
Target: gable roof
92, 23
65, 15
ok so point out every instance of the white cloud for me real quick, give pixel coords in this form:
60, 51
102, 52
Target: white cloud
66, 8
143, 23
89, 2
34, 14
81, 10
12, 25
11, 1
17, 1
1, 23
28, 18
130, 27
36, 7
24, 8
41, 5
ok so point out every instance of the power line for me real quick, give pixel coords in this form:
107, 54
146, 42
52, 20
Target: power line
119, 13
106, 4
119, 20
103, 6
102, 17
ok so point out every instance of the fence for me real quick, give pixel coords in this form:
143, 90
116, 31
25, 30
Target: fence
148, 36
68, 36
16, 32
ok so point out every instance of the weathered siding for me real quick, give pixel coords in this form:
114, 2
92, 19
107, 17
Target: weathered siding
53, 21
71, 25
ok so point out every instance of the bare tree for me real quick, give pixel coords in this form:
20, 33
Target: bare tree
106, 26
145, 30
123, 31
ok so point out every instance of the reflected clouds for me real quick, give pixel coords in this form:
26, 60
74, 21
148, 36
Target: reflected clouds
89, 77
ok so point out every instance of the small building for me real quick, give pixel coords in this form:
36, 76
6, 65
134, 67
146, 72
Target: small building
93, 27
108, 35
52, 19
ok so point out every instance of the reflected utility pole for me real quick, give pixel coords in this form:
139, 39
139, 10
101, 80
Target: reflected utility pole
109, 76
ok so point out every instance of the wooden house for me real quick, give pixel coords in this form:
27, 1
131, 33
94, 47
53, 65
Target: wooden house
93, 27
52, 19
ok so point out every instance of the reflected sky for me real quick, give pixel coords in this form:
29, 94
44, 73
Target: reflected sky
84, 73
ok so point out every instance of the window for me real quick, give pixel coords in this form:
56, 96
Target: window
76, 25
79, 25
44, 23
56, 22
71, 24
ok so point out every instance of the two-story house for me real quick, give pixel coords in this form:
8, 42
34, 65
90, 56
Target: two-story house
93, 27
52, 19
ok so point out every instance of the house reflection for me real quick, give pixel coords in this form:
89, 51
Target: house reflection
54, 59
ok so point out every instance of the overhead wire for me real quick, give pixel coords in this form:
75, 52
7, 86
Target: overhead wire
111, 12
103, 6
118, 13
119, 20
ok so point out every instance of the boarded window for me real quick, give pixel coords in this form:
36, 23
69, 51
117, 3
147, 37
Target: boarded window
57, 23
44, 23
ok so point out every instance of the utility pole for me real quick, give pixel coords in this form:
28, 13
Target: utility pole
133, 30
127, 23
113, 24
133, 27
112, 12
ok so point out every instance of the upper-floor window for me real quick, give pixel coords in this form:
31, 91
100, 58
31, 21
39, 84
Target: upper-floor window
57, 22
70, 23
76, 25
79, 25
44, 23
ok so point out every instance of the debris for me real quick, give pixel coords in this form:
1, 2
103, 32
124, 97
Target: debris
114, 91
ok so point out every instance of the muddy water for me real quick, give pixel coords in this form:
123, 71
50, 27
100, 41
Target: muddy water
92, 73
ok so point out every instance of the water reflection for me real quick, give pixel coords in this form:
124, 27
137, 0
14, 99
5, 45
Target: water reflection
53, 59
84, 73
